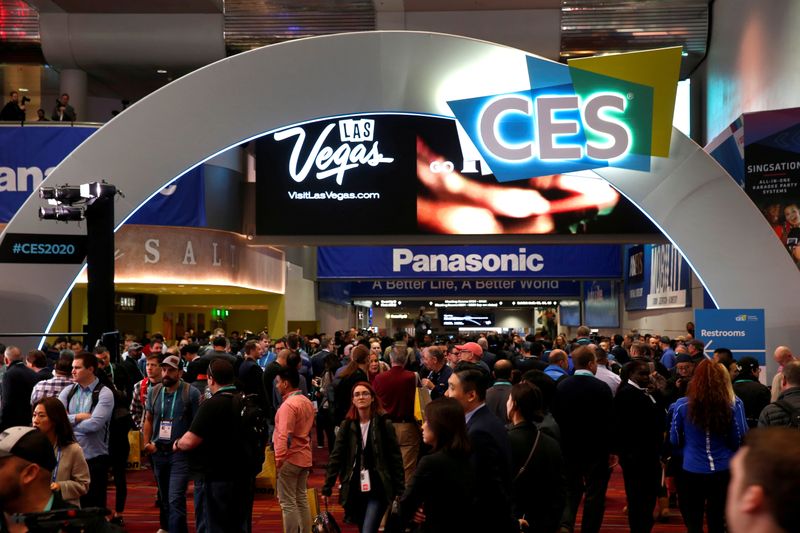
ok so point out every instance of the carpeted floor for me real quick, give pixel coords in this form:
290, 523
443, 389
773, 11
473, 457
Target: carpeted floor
141, 515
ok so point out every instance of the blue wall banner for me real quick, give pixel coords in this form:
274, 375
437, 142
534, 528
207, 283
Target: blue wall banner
656, 277
469, 262
27, 155
739, 330
447, 288
180, 204
601, 304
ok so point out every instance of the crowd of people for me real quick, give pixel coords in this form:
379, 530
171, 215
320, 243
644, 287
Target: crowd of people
490, 433
15, 110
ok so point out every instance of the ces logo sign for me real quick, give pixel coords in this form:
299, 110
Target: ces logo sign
593, 113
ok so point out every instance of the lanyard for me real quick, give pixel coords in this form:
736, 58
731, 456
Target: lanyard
172, 410
227, 387
111, 367
58, 463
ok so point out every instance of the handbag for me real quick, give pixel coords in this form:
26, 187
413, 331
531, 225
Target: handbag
324, 522
530, 456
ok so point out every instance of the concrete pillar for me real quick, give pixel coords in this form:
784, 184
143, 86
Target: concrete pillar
73, 82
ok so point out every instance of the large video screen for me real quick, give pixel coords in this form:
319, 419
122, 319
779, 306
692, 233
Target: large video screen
410, 175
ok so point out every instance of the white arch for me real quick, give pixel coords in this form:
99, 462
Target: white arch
688, 195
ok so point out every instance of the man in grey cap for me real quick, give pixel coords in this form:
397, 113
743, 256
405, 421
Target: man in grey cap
169, 411
26, 464
130, 361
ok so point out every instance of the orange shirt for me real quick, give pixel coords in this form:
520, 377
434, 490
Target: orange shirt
292, 437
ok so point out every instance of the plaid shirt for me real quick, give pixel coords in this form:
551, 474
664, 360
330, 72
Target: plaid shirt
137, 405
49, 388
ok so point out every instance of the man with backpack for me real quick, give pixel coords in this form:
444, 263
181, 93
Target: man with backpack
89, 407
170, 408
786, 410
223, 459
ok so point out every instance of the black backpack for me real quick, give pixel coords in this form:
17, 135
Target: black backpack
95, 395
794, 414
254, 428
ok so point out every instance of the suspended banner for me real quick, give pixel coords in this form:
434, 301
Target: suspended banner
29, 153
656, 277
469, 262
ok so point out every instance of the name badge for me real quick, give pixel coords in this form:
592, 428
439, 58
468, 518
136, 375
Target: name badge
365, 483
165, 430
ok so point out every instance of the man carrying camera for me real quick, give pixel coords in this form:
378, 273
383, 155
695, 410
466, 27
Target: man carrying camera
14, 110
63, 111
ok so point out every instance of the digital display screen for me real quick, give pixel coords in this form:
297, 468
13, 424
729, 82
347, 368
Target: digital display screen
569, 312
408, 175
466, 318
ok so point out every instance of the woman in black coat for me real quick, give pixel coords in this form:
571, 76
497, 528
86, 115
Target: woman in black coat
539, 485
443, 485
366, 458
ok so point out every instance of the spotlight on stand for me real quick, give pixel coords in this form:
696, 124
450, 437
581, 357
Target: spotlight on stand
65, 194
62, 212
98, 190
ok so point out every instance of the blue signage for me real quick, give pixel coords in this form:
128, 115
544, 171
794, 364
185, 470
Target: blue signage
739, 330
601, 303
656, 277
469, 262
449, 288
28, 154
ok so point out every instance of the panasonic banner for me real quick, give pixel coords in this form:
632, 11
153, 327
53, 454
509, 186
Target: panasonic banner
739, 330
460, 262
28, 154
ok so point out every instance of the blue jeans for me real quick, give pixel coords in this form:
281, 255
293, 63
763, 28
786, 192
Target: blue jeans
218, 506
376, 508
172, 476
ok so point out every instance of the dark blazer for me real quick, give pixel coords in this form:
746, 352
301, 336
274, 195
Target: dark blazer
583, 412
541, 491
491, 462
15, 407
496, 399
523, 364
347, 449
639, 424
443, 484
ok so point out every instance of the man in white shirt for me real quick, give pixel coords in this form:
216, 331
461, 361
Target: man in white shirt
603, 373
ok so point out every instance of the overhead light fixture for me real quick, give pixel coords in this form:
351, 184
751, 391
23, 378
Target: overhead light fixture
63, 213
23, 89
161, 71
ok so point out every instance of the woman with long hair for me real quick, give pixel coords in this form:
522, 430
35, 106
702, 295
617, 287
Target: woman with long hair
71, 474
366, 458
539, 487
325, 401
356, 370
707, 428
445, 431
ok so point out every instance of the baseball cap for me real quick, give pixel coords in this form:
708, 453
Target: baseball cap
134, 347
173, 361
473, 347
313, 341
748, 364
683, 358
29, 444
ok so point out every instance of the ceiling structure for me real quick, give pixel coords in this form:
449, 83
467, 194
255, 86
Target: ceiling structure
587, 27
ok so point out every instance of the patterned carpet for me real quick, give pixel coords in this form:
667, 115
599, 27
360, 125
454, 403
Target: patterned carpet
141, 515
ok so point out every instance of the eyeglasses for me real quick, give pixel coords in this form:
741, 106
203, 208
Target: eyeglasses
362, 394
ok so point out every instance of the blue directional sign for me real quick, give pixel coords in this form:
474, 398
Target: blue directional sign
739, 330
